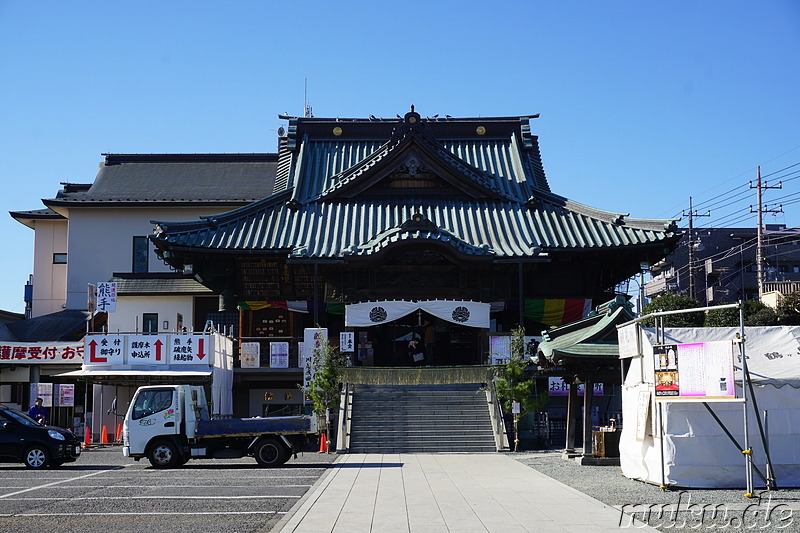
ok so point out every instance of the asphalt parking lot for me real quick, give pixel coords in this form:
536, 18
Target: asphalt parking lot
104, 491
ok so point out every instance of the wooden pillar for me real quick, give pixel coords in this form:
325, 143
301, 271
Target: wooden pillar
588, 394
572, 404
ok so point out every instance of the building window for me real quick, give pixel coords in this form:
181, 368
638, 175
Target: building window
59, 259
150, 322
796, 269
140, 254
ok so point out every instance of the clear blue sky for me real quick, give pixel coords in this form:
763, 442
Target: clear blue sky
642, 103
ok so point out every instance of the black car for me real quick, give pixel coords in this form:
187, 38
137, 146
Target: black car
23, 440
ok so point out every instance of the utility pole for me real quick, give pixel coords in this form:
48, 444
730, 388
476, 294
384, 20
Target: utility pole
691, 214
760, 229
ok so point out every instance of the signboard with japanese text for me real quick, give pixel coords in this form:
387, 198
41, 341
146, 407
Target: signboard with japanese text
629, 343
147, 349
559, 387
313, 339
347, 341
699, 370
105, 349
189, 349
66, 395
250, 354
38, 352
43, 391
107, 296
279, 355
143, 349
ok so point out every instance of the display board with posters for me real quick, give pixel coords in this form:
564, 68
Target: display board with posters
700, 370
500, 348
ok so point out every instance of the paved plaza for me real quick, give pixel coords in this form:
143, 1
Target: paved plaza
454, 493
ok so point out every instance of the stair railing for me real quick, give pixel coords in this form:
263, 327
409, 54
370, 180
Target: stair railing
345, 415
498, 422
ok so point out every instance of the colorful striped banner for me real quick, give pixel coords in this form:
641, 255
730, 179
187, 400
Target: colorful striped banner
556, 311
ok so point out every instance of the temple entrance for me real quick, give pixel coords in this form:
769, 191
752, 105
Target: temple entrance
435, 342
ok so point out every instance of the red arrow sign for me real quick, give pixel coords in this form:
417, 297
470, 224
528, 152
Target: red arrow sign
158, 344
93, 358
200, 352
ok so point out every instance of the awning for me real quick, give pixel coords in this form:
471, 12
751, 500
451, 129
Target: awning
95, 372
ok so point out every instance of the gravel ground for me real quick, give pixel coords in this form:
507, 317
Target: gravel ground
691, 509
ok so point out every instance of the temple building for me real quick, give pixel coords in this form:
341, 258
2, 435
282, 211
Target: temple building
376, 225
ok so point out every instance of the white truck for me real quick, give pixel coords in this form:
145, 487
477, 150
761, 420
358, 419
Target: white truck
170, 424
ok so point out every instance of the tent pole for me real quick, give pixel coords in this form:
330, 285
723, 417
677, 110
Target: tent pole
748, 452
731, 437
661, 439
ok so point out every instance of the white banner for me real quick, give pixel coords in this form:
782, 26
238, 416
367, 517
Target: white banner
473, 314
467, 313
107, 296
374, 313
41, 352
313, 338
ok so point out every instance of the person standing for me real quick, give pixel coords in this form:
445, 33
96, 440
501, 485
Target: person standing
429, 338
38, 412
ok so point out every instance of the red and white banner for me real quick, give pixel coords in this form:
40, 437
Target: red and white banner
41, 352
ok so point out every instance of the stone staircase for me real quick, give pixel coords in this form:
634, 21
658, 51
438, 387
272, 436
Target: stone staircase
420, 418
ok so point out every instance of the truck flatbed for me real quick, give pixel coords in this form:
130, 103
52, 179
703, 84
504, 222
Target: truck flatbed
253, 426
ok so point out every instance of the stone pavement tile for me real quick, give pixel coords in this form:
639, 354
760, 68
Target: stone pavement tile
391, 506
357, 512
319, 512
423, 511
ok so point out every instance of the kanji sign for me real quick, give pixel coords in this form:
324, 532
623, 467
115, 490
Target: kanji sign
250, 354
34, 352
143, 349
313, 338
107, 296
147, 349
188, 349
347, 341
279, 355
105, 349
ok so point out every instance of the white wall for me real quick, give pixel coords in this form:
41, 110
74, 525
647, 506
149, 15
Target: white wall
49, 280
128, 316
101, 243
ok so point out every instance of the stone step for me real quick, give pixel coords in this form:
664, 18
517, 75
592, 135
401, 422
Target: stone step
424, 449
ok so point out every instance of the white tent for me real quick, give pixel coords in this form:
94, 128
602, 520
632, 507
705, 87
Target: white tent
696, 452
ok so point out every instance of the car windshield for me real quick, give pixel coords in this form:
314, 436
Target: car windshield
21, 418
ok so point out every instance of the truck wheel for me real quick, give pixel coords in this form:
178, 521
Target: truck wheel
271, 452
163, 454
36, 457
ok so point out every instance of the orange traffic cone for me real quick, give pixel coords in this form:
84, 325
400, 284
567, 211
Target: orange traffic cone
323, 443
104, 435
87, 437
118, 436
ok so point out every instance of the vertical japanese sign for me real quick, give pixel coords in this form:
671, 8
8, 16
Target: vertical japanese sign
698, 370
313, 339
250, 354
279, 355
189, 349
347, 341
107, 296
